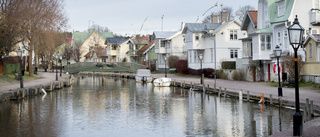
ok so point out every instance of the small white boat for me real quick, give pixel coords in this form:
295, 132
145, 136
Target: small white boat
143, 75
162, 82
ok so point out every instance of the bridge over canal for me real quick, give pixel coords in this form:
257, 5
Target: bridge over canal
102, 67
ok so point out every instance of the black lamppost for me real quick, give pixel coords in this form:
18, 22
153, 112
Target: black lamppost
165, 66
19, 52
200, 58
60, 66
277, 53
57, 57
295, 38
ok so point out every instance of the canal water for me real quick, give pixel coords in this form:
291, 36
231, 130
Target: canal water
102, 106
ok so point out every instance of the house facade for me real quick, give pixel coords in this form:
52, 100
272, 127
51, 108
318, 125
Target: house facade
217, 42
117, 50
310, 70
88, 40
273, 19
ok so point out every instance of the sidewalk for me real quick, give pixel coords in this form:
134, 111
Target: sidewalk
45, 78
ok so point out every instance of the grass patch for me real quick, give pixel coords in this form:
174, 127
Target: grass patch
10, 78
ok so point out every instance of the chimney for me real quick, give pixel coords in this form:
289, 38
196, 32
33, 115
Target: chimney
215, 18
224, 16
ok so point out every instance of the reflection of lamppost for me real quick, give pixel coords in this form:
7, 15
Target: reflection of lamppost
200, 58
57, 57
19, 52
165, 66
277, 54
60, 65
295, 38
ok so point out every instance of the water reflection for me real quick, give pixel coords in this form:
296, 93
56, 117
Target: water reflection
102, 106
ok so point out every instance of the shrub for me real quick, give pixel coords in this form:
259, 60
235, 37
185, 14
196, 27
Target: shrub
221, 74
228, 65
182, 66
238, 75
172, 61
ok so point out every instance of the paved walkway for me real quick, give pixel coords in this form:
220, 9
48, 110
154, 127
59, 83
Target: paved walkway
45, 78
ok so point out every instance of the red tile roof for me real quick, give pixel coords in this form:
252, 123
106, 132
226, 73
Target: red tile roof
254, 16
144, 48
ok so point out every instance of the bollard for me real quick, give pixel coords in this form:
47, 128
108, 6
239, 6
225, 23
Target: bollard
311, 107
261, 99
240, 95
305, 114
271, 102
270, 124
248, 96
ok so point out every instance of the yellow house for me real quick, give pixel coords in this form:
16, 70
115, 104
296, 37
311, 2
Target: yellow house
88, 40
117, 50
310, 70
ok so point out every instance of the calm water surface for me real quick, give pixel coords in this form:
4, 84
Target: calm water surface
102, 106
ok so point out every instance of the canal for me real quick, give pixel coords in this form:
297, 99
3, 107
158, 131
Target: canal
103, 106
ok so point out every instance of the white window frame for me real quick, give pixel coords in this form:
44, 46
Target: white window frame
281, 8
316, 4
233, 34
234, 53
310, 50
265, 45
162, 43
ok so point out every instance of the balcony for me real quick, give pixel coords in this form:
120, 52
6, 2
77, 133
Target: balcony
314, 16
112, 52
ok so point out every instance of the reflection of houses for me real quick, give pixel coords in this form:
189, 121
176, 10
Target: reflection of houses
202, 38
89, 40
311, 67
273, 18
117, 49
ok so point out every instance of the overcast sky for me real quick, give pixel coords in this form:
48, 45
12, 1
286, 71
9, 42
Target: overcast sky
127, 16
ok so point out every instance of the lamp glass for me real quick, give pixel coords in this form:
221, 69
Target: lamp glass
19, 52
295, 32
277, 51
200, 56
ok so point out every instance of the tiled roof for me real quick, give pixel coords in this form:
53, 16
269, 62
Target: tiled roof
146, 47
140, 40
117, 41
201, 27
254, 16
163, 34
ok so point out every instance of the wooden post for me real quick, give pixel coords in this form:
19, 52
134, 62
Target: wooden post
305, 114
308, 109
270, 124
219, 92
248, 96
174, 83
311, 107
225, 92
23, 93
240, 95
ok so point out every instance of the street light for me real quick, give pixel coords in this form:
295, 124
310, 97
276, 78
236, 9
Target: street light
295, 38
165, 65
277, 53
57, 57
60, 66
200, 58
19, 52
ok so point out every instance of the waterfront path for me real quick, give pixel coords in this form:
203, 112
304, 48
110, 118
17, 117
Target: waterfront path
45, 78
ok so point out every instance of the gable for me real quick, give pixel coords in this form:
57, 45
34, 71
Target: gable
273, 11
251, 18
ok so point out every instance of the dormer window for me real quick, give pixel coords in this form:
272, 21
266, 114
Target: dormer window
281, 7
197, 37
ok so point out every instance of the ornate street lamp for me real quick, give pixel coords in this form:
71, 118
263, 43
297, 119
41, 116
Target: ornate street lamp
277, 53
165, 65
60, 66
57, 57
19, 53
296, 38
200, 58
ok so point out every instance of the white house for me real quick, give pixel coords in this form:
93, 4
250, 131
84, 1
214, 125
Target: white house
217, 42
273, 19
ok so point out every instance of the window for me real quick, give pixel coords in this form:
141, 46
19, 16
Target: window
233, 53
286, 40
265, 41
163, 43
262, 40
114, 47
233, 35
281, 8
316, 4
197, 37
279, 39
310, 50
314, 31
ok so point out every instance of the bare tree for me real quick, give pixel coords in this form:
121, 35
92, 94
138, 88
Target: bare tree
241, 12
289, 62
99, 28
76, 53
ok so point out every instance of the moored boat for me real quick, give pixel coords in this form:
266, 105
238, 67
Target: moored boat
143, 75
162, 82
